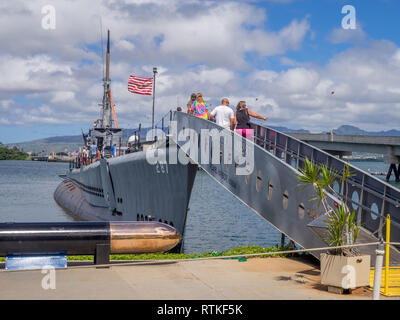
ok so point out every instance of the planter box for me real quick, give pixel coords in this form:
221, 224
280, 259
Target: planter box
345, 272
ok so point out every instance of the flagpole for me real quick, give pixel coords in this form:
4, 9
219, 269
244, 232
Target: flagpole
154, 91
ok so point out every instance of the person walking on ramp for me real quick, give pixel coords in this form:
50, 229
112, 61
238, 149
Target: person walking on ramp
242, 120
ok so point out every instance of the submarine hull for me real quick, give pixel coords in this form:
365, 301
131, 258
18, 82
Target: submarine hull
129, 188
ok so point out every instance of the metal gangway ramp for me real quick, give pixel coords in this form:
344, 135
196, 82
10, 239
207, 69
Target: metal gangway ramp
272, 189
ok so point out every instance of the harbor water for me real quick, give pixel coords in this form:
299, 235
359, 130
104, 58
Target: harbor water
216, 219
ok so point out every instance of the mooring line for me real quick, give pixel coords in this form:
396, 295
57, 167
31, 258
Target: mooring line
161, 261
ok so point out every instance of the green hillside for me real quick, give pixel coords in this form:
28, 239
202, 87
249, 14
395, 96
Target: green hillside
49, 145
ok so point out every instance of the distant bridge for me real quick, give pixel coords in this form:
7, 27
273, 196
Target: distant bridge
345, 144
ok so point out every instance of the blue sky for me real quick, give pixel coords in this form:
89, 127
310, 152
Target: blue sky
378, 19
282, 57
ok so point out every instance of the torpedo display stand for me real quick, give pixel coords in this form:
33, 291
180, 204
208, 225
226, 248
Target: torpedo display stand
33, 245
102, 255
31, 261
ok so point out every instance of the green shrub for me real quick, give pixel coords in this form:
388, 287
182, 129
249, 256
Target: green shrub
342, 228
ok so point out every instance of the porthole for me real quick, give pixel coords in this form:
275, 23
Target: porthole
285, 199
293, 162
355, 197
259, 180
301, 210
374, 211
270, 189
336, 187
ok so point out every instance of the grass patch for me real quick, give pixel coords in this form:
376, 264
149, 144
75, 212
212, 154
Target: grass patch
162, 256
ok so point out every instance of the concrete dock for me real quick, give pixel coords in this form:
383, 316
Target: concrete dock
257, 278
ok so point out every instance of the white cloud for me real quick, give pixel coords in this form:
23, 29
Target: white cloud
354, 36
198, 46
33, 73
297, 80
366, 85
4, 121
125, 45
62, 96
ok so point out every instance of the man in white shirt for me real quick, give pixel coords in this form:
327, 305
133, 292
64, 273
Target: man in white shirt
224, 115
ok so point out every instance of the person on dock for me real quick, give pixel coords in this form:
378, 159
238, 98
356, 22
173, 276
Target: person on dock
83, 155
199, 107
242, 120
129, 148
93, 152
87, 155
190, 102
224, 115
113, 149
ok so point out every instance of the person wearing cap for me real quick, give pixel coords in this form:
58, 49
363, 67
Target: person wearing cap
190, 102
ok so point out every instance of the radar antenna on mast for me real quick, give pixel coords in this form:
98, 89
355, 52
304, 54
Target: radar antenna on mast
106, 121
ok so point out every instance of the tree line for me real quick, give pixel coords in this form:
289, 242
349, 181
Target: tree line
12, 153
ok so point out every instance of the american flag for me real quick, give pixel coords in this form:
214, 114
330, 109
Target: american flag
140, 85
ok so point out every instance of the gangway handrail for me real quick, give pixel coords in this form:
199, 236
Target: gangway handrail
265, 136
255, 125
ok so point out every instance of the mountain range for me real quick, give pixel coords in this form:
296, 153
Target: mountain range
70, 143
346, 129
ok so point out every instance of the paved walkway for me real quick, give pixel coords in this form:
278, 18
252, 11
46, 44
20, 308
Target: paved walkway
268, 278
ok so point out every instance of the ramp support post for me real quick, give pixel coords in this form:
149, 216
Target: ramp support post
102, 255
387, 254
378, 271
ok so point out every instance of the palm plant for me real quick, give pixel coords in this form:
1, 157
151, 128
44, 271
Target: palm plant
342, 228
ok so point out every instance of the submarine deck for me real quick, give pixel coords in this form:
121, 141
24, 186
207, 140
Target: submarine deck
256, 279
